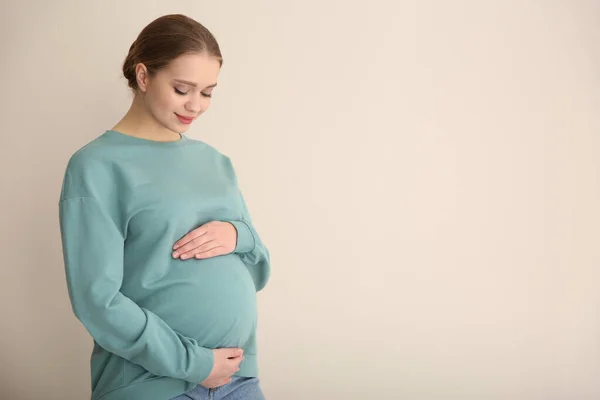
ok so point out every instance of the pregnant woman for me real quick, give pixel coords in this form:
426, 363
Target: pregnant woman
161, 256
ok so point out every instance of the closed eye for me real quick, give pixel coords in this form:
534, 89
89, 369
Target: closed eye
184, 93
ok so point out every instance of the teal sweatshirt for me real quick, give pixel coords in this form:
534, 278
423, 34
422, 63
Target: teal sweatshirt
153, 318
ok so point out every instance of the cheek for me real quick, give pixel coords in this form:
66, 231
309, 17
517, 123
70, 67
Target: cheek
166, 102
205, 104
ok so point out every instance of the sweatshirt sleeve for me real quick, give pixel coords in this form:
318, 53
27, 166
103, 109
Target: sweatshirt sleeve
93, 249
251, 248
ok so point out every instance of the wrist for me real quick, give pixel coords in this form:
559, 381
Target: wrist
244, 238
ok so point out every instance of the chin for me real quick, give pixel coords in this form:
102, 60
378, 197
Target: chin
178, 128
182, 129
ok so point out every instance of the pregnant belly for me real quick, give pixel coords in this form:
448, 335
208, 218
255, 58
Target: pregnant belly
211, 300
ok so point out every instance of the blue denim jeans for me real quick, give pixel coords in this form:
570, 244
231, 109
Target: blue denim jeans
240, 388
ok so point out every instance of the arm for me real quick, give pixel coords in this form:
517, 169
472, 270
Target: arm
251, 249
249, 245
93, 255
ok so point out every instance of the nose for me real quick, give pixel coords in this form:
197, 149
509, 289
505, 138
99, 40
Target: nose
194, 105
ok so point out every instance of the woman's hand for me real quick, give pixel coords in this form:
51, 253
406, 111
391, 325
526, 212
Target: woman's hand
227, 362
212, 239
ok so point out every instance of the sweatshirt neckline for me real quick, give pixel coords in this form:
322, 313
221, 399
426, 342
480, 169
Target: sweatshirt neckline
125, 138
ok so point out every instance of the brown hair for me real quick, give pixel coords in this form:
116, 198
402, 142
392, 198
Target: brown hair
165, 39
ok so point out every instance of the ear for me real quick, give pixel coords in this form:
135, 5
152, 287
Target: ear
141, 75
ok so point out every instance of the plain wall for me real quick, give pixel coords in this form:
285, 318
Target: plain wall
426, 175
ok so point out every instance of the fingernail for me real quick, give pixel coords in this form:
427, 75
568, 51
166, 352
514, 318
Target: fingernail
176, 254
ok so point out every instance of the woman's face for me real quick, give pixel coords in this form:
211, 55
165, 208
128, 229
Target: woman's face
179, 93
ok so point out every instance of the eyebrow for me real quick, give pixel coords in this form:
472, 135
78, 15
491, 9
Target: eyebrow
194, 84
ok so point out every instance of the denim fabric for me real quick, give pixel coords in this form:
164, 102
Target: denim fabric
240, 388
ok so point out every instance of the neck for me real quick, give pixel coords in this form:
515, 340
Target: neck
140, 123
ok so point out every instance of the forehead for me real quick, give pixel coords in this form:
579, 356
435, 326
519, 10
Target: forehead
198, 67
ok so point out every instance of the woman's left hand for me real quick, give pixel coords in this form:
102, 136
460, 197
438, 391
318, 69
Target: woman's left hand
212, 239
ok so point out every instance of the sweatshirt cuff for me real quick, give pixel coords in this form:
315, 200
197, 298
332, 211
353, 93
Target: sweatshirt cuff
245, 239
205, 365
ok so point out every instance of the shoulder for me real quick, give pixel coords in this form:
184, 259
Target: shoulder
87, 167
92, 152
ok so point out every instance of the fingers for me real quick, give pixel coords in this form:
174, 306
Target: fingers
236, 356
213, 252
227, 362
189, 236
197, 245
235, 365
234, 352
235, 361
204, 251
192, 243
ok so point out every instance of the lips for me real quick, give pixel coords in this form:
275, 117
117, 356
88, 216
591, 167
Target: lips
185, 120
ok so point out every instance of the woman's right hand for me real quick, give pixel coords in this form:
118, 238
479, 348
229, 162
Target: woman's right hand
227, 361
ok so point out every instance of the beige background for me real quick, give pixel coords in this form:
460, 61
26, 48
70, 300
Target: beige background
426, 175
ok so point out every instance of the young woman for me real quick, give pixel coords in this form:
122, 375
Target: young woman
161, 256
